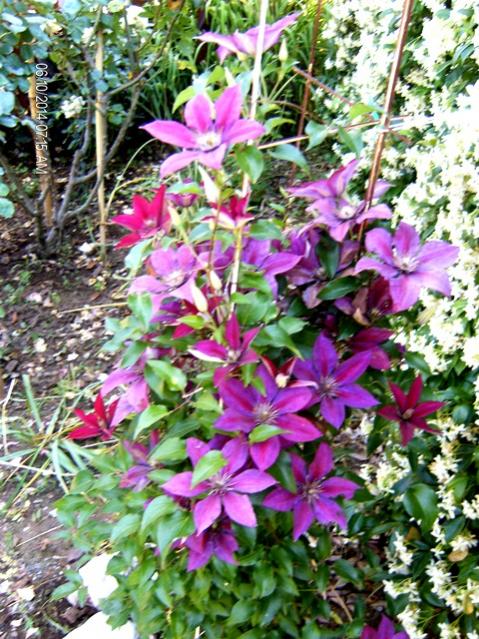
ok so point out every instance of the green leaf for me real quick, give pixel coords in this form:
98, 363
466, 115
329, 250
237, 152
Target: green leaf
347, 571
417, 361
166, 372
63, 591
317, 133
183, 96
420, 502
208, 466
171, 449
274, 335
250, 160
338, 288
353, 140
126, 526
148, 417
6, 208
361, 109
179, 524
159, 507
141, 306
263, 432
240, 613
266, 230
289, 153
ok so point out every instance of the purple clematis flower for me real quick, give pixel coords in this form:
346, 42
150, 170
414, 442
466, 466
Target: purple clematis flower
219, 540
385, 630
236, 352
227, 491
136, 477
337, 213
245, 44
309, 269
148, 219
260, 253
334, 382
408, 411
175, 271
211, 129
314, 498
407, 264
99, 423
247, 408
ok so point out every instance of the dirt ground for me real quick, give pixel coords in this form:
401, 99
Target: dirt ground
51, 328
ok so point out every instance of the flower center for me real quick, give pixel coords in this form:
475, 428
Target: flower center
346, 212
310, 491
405, 263
320, 273
219, 484
328, 387
175, 278
233, 355
208, 141
265, 413
408, 413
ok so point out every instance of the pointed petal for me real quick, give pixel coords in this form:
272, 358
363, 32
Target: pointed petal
435, 280
181, 485
243, 131
415, 391
84, 432
209, 351
405, 291
196, 449
426, 408
280, 499
298, 466
356, 396
338, 486
370, 264
232, 421
406, 240
385, 629
291, 400
233, 332
171, 133
303, 517
178, 161
438, 255
297, 429
198, 113
236, 396
213, 159
340, 178
399, 396
322, 463
352, 368
328, 511
235, 451
228, 107
252, 481
379, 241
264, 454
389, 412
206, 512
325, 357
239, 509
333, 411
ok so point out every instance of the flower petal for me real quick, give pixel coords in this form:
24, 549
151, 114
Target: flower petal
228, 107
379, 241
297, 428
322, 463
280, 499
239, 509
243, 131
252, 481
338, 486
178, 161
333, 411
171, 133
328, 511
198, 113
206, 512
264, 454
303, 517
181, 485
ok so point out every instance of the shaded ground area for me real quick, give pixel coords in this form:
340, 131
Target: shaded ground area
51, 329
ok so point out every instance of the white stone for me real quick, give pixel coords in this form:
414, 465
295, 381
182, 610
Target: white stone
97, 627
98, 584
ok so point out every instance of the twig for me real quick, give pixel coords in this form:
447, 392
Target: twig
4, 415
91, 308
39, 471
42, 534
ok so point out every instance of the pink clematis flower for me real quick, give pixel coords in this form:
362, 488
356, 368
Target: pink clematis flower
408, 411
314, 498
408, 265
233, 215
245, 44
148, 219
227, 491
137, 476
247, 408
337, 213
237, 351
385, 630
369, 340
219, 540
211, 129
98, 423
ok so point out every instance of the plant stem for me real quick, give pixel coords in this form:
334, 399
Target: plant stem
100, 139
255, 93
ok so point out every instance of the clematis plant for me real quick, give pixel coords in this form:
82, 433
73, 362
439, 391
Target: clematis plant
251, 340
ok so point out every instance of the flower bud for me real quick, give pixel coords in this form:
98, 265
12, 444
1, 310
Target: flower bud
458, 555
283, 51
199, 299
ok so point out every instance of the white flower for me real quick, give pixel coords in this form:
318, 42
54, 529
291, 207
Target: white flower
72, 106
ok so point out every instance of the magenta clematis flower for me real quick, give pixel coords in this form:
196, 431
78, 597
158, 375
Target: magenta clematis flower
148, 219
333, 382
408, 411
314, 498
233, 215
407, 265
236, 352
219, 540
247, 408
385, 630
183, 200
211, 129
337, 213
369, 303
246, 43
260, 253
369, 340
175, 271
98, 423
309, 270
227, 491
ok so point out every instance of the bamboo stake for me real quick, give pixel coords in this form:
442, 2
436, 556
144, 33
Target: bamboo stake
100, 142
388, 102
46, 178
